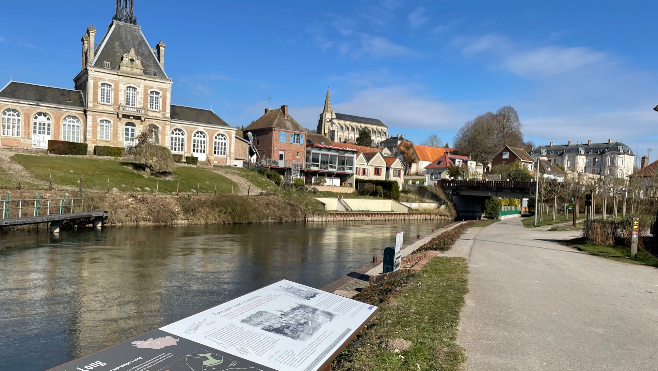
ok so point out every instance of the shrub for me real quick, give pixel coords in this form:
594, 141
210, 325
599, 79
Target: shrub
379, 190
320, 181
178, 158
298, 182
445, 240
60, 147
157, 158
109, 151
271, 175
367, 189
191, 160
492, 207
391, 188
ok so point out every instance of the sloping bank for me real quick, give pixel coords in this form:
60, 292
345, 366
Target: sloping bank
129, 210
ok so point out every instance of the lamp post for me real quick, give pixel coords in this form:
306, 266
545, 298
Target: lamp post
536, 190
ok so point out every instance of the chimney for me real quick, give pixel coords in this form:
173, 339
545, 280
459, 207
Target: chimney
284, 109
645, 162
160, 51
267, 110
589, 142
92, 39
570, 143
88, 46
609, 141
552, 144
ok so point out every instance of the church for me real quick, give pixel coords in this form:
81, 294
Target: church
121, 90
340, 127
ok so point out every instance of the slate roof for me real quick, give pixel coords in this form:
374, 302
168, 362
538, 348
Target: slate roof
521, 153
199, 115
276, 119
546, 167
118, 40
594, 148
362, 120
43, 94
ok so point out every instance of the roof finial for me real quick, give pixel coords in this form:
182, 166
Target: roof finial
125, 12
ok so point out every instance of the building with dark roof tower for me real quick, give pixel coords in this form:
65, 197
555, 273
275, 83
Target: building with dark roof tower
340, 127
121, 90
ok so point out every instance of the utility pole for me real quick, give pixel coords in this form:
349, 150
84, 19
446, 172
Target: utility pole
536, 190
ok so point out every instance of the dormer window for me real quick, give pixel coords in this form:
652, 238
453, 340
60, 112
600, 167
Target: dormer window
131, 96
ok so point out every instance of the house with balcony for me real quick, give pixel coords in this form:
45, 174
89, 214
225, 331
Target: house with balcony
279, 139
329, 164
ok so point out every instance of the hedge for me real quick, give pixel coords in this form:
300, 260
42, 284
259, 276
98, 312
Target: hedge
191, 160
178, 158
391, 188
109, 151
60, 147
492, 207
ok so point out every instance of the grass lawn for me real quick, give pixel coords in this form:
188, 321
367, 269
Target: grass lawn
424, 312
8, 181
618, 253
529, 222
66, 171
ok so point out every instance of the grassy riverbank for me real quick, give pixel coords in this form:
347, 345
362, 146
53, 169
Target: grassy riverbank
417, 325
618, 253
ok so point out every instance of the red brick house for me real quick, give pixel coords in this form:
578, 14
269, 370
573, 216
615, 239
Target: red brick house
279, 139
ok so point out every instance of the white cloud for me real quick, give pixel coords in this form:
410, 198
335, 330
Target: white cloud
486, 43
379, 47
552, 60
391, 4
418, 17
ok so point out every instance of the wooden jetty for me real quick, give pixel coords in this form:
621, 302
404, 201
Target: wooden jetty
56, 220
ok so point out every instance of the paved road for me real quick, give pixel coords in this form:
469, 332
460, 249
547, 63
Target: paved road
536, 305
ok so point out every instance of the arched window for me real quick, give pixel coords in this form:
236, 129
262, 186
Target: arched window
219, 145
131, 96
41, 124
106, 93
71, 129
154, 101
177, 140
199, 142
129, 133
104, 130
11, 123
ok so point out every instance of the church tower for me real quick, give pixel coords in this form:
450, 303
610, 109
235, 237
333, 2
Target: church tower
326, 117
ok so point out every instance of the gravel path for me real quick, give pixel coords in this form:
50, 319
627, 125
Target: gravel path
244, 186
534, 304
17, 171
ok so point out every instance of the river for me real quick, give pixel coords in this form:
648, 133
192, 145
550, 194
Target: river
64, 298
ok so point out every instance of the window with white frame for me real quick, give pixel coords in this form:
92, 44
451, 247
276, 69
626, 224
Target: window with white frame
154, 101
11, 123
620, 161
41, 124
505, 155
106, 93
219, 145
131, 96
177, 140
104, 130
199, 142
71, 129
129, 133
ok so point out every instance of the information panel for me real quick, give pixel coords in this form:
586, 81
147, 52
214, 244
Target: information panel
285, 326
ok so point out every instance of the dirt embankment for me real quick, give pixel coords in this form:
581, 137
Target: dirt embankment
129, 210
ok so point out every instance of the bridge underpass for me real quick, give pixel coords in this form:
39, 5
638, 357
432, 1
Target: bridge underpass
468, 197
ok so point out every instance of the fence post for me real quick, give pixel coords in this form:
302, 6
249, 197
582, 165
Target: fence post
215, 189
36, 211
20, 208
177, 186
72, 200
197, 189
61, 205
48, 206
51, 182
108, 185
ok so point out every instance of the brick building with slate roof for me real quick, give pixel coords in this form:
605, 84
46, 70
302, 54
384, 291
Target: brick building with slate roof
121, 90
345, 128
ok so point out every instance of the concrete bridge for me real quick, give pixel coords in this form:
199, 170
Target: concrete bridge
468, 196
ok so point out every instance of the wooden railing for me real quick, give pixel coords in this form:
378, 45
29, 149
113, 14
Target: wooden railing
20, 208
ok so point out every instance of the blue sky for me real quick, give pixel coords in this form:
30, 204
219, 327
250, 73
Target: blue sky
574, 70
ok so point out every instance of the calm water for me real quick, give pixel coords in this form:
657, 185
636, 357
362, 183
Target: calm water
64, 298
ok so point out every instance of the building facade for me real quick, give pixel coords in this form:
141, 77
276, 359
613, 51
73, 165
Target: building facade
611, 158
279, 139
340, 127
121, 90
510, 155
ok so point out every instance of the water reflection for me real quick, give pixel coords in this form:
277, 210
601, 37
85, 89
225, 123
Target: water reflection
62, 298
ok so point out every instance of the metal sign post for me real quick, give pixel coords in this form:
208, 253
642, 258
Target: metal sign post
634, 237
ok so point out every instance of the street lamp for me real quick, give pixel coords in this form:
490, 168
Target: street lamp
536, 190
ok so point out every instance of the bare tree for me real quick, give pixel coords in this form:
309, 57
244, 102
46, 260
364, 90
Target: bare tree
432, 141
508, 127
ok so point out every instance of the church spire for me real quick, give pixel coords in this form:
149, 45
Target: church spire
327, 102
125, 12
